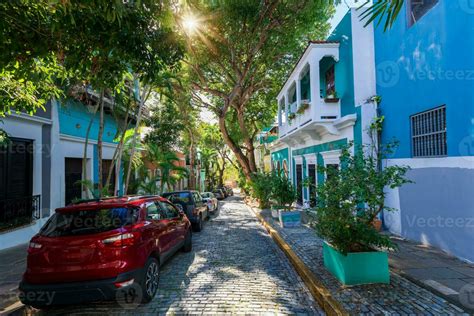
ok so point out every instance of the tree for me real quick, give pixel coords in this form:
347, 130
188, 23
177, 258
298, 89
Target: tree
238, 57
166, 163
214, 153
97, 42
166, 125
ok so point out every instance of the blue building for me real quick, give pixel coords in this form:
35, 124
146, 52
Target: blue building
425, 76
40, 167
423, 69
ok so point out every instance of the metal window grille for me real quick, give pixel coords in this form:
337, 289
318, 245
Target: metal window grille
428, 132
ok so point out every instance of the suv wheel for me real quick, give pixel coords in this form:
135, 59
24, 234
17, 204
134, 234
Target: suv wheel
198, 225
150, 279
188, 242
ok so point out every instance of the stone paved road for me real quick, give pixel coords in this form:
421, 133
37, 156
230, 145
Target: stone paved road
235, 267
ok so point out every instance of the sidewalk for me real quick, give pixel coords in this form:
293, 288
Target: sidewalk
401, 296
12, 267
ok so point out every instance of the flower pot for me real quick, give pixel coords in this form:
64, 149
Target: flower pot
331, 100
357, 267
377, 223
290, 219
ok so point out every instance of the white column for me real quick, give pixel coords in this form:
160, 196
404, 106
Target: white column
286, 107
298, 91
279, 113
315, 85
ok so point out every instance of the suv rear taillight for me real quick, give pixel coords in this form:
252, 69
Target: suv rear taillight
122, 240
34, 246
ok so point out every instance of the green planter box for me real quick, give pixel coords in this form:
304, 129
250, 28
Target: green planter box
357, 267
289, 219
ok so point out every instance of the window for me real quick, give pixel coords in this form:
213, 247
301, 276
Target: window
153, 212
428, 132
84, 222
331, 170
183, 198
418, 8
330, 81
169, 210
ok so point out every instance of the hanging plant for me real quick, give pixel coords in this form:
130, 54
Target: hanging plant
291, 116
302, 108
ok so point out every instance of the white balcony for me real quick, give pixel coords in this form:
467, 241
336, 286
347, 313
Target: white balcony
311, 84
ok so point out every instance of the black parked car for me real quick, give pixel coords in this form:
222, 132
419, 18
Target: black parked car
219, 194
192, 204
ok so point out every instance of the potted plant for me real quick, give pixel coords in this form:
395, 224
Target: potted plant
302, 108
284, 193
261, 187
331, 97
291, 115
348, 202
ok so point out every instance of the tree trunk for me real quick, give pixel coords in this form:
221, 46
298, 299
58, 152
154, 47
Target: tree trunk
117, 153
99, 140
134, 139
221, 172
86, 144
241, 158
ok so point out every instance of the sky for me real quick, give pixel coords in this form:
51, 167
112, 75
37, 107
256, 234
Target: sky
342, 9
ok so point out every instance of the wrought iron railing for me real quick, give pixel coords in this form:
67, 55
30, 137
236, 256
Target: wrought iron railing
19, 211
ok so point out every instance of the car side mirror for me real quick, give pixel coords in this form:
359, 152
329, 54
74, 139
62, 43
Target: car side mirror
181, 214
179, 207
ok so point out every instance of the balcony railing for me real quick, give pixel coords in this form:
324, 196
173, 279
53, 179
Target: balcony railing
19, 212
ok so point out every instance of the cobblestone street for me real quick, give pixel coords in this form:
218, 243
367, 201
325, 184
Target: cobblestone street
234, 267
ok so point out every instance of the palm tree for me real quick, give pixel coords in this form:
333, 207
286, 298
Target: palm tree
166, 163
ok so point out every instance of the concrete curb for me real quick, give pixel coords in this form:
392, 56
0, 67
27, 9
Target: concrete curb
12, 308
320, 293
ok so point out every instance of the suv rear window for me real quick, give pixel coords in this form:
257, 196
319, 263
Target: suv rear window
180, 197
86, 222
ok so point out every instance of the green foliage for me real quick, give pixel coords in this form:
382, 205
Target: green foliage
283, 192
352, 197
166, 162
241, 56
92, 189
380, 10
165, 125
4, 138
261, 185
44, 42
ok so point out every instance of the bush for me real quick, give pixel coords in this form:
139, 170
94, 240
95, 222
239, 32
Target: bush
353, 196
261, 185
283, 192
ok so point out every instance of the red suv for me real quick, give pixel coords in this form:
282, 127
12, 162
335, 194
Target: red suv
92, 250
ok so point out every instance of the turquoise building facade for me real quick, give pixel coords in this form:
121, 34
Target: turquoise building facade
319, 116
